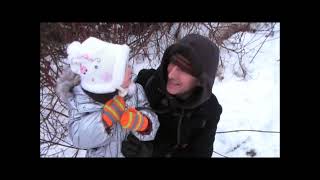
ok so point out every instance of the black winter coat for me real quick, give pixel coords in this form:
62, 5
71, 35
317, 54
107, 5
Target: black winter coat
187, 127
182, 132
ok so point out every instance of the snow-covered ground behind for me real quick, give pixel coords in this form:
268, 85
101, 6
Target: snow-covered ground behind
253, 104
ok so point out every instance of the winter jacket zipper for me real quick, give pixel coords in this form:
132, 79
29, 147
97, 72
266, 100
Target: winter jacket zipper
179, 128
169, 154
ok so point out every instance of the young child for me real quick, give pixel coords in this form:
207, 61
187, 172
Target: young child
104, 104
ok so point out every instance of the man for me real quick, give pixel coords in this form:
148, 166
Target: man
180, 92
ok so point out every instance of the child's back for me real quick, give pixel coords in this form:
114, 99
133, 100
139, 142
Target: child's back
88, 131
97, 124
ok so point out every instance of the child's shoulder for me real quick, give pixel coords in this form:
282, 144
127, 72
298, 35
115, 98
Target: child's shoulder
135, 88
77, 90
81, 96
140, 92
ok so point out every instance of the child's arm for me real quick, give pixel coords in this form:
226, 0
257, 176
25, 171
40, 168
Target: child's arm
86, 128
85, 125
136, 94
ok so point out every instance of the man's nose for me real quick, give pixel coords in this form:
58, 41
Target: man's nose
172, 71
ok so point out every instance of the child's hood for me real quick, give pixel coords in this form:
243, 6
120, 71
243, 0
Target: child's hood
100, 64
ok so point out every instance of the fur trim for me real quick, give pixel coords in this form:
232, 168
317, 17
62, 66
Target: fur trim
65, 83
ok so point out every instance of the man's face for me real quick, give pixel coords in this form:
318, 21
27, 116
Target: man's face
179, 81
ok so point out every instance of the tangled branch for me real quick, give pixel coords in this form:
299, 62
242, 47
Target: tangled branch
249, 130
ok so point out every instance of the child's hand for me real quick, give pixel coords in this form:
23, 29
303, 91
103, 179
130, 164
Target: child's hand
113, 110
134, 120
127, 77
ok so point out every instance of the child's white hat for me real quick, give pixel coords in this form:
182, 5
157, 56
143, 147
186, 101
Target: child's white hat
101, 65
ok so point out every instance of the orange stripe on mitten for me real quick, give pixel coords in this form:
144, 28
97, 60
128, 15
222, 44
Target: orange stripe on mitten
134, 120
113, 110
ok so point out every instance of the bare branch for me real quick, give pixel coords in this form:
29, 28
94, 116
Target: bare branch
250, 130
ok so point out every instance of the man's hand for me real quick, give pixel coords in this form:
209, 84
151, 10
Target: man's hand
133, 147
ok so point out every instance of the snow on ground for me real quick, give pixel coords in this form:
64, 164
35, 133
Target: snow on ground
253, 104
